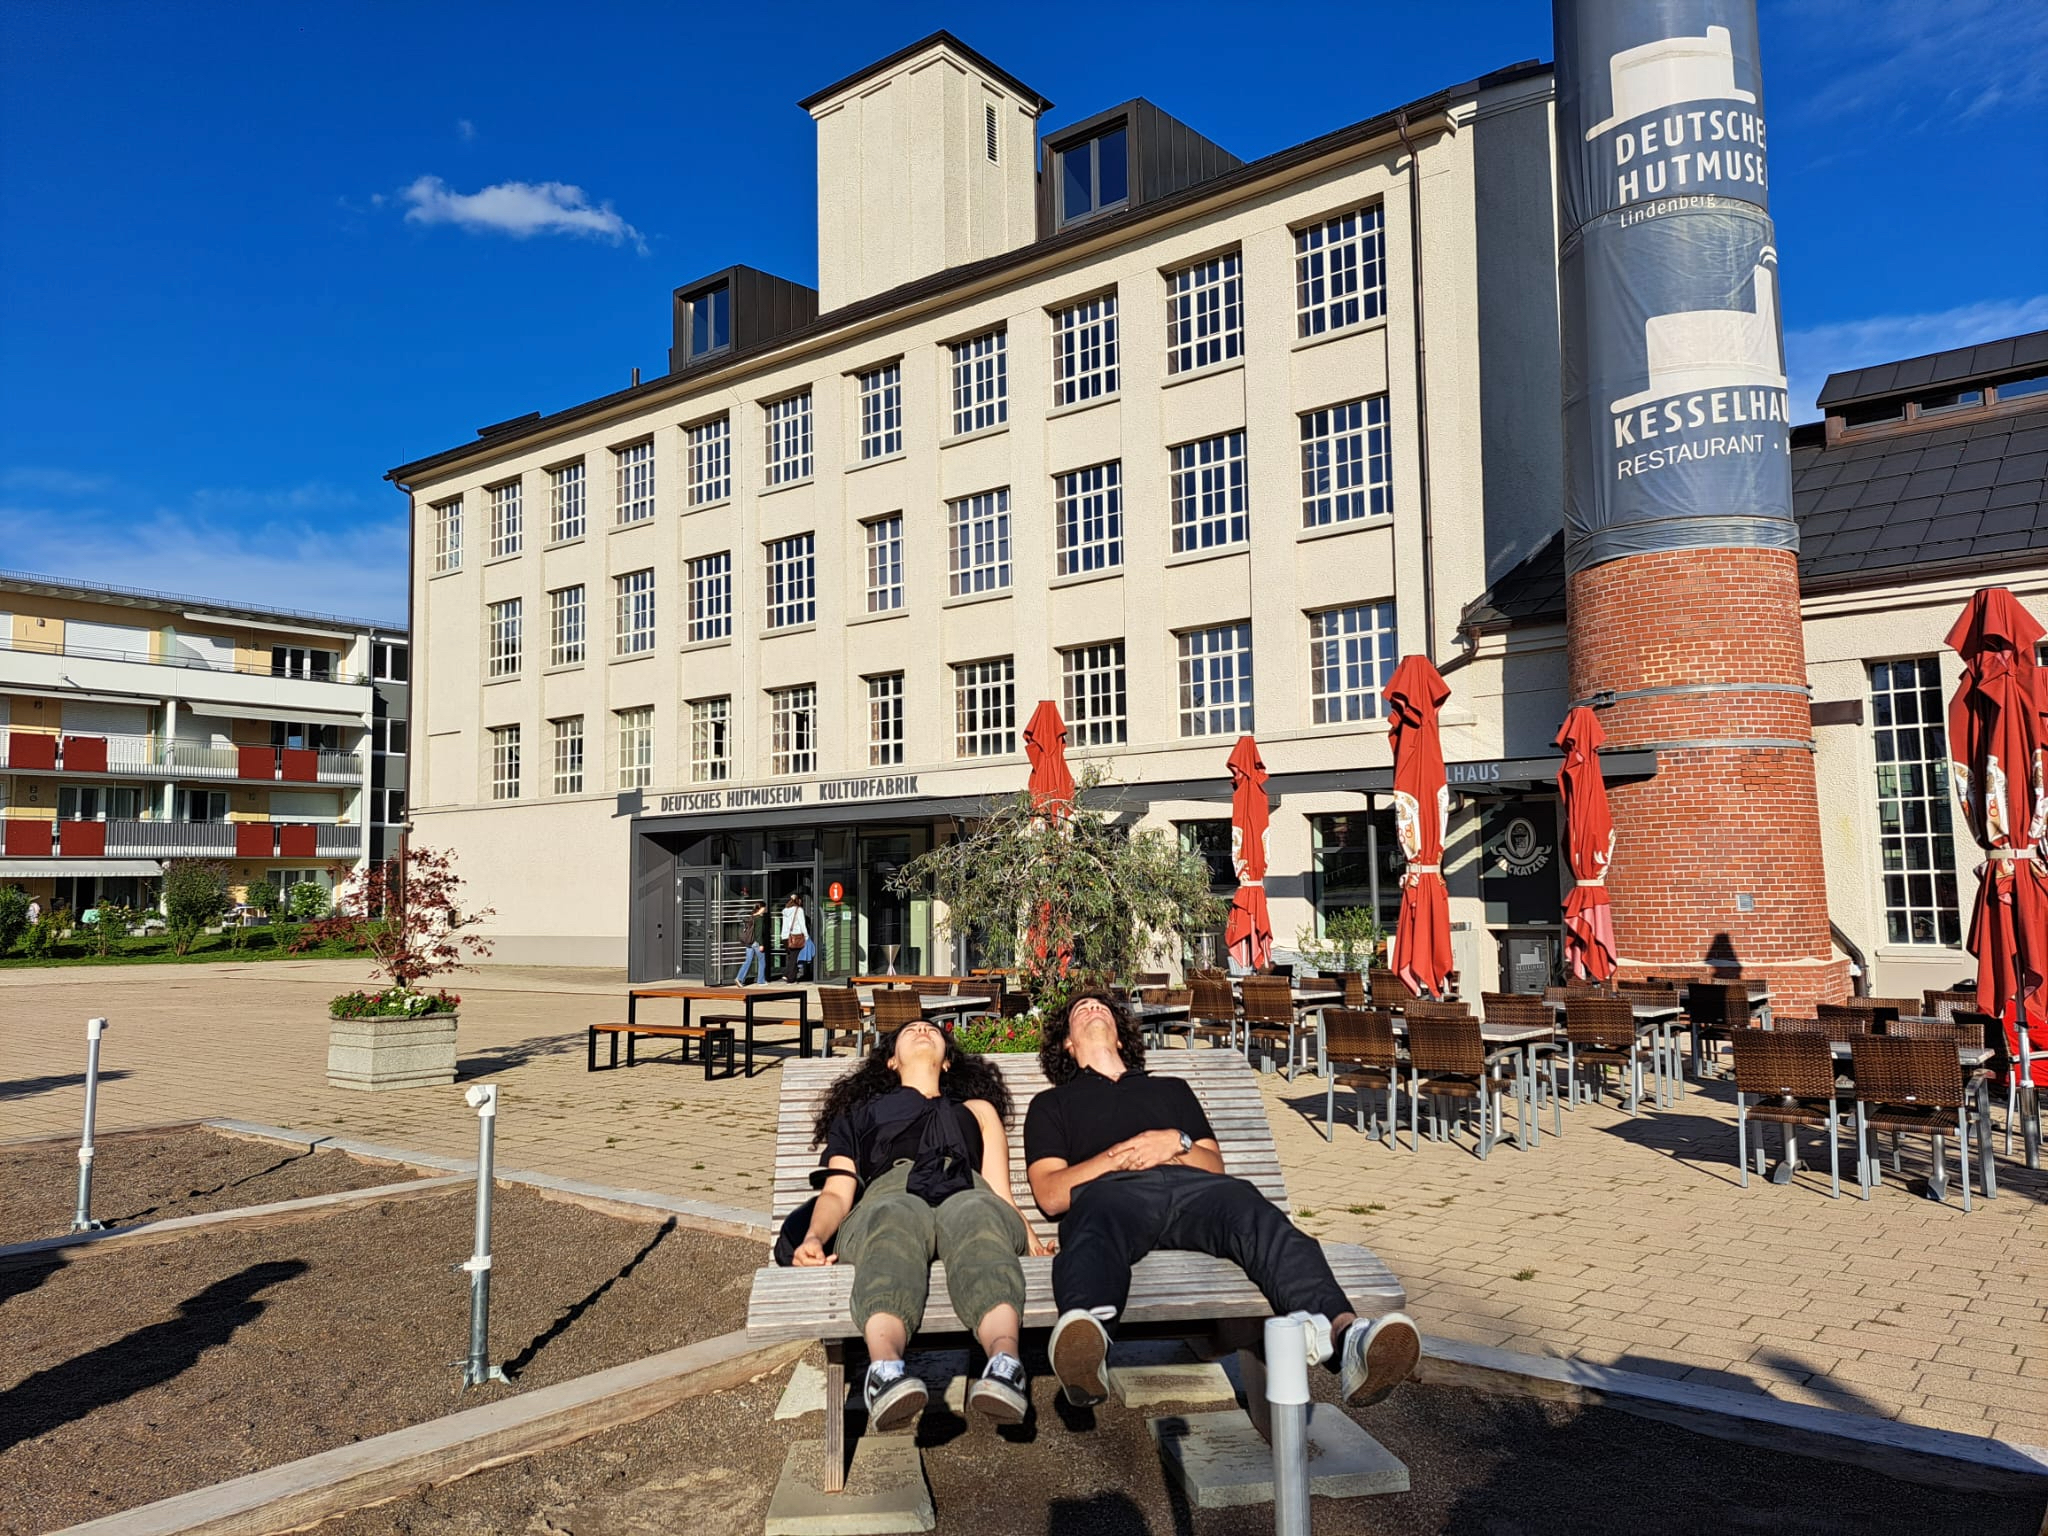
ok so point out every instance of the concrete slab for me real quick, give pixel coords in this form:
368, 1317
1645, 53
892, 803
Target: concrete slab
885, 1491
1159, 1376
804, 1394
1220, 1461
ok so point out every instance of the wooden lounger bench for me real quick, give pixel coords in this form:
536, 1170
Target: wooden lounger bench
715, 1035
1174, 1294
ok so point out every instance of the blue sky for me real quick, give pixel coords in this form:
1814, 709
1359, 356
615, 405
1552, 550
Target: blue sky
247, 267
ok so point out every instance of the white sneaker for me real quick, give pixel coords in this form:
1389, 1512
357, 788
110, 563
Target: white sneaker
894, 1400
1378, 1357
1079, 1350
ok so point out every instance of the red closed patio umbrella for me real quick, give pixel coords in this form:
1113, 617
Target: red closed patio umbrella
1589, 845
1420, 952
1045, 743
1998, 750
1248, 935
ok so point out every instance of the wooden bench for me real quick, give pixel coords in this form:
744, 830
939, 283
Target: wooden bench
715, 1034
1174, 1294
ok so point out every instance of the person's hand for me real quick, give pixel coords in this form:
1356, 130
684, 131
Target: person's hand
811, 1253
1034, 1245
1148, 1149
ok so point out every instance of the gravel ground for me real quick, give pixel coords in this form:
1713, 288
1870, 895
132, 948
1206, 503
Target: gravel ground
155, 1176
127, 1377
1499, 1466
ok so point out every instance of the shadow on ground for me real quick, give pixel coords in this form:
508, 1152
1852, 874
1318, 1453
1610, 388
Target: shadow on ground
29, 1087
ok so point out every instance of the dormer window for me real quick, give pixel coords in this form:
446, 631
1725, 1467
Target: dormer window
1095, 175
710, 321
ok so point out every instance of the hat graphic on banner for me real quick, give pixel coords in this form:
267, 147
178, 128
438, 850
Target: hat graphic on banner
1706, 349
1668, 72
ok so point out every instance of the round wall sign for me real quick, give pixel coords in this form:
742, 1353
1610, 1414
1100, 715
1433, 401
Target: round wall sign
835, 892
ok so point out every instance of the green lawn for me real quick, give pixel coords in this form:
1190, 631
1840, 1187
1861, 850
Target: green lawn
258, 944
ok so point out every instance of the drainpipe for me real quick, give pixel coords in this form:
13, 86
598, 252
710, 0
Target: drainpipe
1859, 984
1421, 388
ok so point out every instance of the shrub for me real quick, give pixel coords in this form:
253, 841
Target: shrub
268, 897
1351, 941
309, 901
13, 917
392, 1003
42, 939
195, 894
343, 932
1001, 1037
112, 921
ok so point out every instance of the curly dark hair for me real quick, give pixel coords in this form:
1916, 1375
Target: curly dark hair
1052, 1053
962, 1076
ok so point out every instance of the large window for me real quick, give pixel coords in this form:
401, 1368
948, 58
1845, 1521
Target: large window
792, 568
1340, 272
565, 626
633, 613
1088, 519
1094, 175
885, 564
710, 741
1916, 843
881, 412
635, 467
448, 535
635, 746
1350, 658
1216, 680
503, 637
203, 805
1358, 863
789, 439
985, 708
981, 382
1210, 508
568, 755
885, 720
566, 518
1092, 679
708, 322
301, 661
1346, 469
1084, 362
392, 661
1204, 314
710, 466
504, 762
978, 543
793, 730
711, 597
104, 802
508, 520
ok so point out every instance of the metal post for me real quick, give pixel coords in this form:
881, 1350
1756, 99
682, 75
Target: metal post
81, 1219
477, 1369
1287, 1404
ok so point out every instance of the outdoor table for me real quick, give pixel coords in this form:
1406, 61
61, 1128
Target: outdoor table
1150, 1016
1522, 1039
936, 1002
1658, 1018
801, 996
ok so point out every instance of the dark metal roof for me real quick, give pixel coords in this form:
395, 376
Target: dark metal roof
980, 61
1983, 361
1530, 592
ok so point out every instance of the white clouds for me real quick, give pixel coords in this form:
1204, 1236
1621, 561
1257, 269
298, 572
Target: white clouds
465, 130
1812, 353
520, 209
1911, 63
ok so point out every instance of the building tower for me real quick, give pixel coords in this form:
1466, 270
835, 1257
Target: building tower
1680, 547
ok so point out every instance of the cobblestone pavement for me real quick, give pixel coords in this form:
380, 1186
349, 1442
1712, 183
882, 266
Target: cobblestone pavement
1627, 1243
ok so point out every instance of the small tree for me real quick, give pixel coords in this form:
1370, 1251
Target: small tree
1069, 893
13, 917
113, 922
410, 912
309, 902
195, 894
268, 897
1350, 941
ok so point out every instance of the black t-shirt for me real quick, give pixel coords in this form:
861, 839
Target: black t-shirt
888, 1130
1091, 1113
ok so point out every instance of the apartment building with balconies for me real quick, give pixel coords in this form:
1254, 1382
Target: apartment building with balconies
138, 727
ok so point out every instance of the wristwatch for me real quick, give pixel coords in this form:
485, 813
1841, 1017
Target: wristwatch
1187, 1143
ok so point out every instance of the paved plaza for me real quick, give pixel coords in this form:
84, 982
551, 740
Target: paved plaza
1628, 1242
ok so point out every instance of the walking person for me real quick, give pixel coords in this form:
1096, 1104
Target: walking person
1127, 1163
760, 934
793, 935
915, 1168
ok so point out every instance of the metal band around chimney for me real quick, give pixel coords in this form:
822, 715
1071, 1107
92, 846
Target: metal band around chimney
1706, 743
1600, 698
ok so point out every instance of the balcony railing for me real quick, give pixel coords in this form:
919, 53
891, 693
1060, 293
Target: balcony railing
128, 838
189, 663
159, 757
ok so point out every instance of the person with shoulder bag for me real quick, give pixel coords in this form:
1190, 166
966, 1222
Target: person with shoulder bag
916, 1167
793, 935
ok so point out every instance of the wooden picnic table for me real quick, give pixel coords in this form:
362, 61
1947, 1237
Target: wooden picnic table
750, 996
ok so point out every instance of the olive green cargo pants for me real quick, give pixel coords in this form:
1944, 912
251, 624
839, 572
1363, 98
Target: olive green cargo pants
891, 1237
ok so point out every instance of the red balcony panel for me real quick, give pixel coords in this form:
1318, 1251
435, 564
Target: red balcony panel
28, 839
85, 754
296, 842
83, 840
301, 765
30, 749
254, 839
255, 763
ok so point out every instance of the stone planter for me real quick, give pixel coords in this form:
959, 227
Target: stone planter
375, 1054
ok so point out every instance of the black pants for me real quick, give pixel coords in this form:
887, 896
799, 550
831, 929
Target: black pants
1119, 1218
791, 966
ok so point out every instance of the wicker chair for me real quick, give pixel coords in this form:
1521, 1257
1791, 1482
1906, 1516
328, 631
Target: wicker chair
1983, 1029
843, 1016
1929, 1029
1601, 1032
1523, 1010
1715, 1010
896, 1007
1386, 990
934, 986
1448, 1060
1430, 1008
1269, 1016
1946, 1005
1881, 1010
1212, 1015
1787, 1076
1360, 1053
1174, 997
1353, 984
1839, 1021
1910, 1086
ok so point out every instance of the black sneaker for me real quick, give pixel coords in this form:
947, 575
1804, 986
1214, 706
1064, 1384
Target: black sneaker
894, 1402
1079, 1351
1000, 1395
